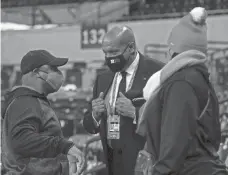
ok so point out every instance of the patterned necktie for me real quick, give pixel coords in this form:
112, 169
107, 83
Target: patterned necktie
122, 86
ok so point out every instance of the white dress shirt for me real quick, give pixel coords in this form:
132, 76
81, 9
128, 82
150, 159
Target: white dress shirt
130, 72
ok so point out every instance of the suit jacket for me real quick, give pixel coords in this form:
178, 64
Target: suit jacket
131, 143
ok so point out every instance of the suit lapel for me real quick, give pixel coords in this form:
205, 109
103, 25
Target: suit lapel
139, 82
140, 76
106, 82
104, 86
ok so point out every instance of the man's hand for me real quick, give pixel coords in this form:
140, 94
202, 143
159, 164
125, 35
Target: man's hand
76, 160
125, 107
72, 164
98, 106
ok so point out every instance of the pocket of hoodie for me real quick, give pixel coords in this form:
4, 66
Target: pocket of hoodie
209, 125
44, 166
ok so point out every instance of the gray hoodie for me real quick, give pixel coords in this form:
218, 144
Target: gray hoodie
32, 139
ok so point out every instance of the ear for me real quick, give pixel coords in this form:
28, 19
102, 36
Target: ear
170, 53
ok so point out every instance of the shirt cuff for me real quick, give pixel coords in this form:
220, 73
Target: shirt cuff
97, 124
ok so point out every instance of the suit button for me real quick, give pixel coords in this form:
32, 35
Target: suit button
119, 151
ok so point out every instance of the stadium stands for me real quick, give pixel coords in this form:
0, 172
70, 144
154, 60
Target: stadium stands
177, 6
37, 12
22, 3
74, 11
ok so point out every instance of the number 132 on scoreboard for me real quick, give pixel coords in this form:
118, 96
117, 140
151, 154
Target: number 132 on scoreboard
92, 36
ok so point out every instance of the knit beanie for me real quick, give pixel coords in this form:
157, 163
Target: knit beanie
190, 33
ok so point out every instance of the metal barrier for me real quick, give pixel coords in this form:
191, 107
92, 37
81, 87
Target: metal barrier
85, 148
159, 51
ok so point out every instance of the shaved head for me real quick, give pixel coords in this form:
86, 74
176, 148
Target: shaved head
118, 38
119, 48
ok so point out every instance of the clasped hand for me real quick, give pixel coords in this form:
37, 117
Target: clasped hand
98, 106
124, 106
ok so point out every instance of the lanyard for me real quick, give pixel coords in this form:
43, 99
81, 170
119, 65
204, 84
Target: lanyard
114, 91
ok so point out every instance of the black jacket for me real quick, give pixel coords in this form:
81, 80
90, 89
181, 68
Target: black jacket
32, 135
181, 142
131, 142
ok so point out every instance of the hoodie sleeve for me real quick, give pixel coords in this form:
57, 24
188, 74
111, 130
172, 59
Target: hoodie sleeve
25, 135
180, 111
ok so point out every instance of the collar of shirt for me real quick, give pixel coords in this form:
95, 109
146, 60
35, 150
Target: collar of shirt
130, 70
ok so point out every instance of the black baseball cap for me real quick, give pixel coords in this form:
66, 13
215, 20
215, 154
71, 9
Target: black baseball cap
37, 58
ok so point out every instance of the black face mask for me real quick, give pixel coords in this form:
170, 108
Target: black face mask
116, 63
